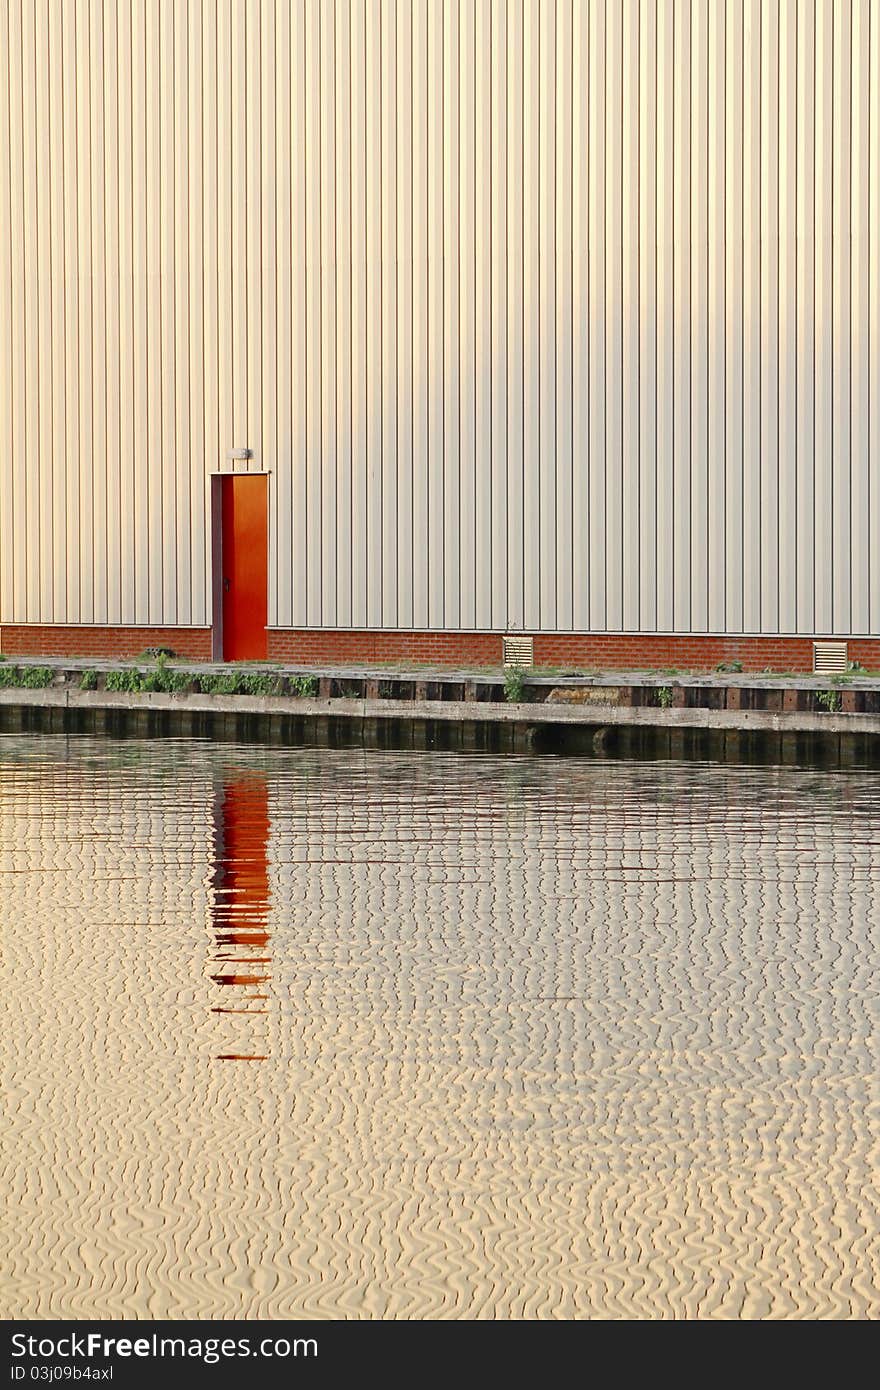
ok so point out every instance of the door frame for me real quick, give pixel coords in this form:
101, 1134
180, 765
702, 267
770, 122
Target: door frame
217, 548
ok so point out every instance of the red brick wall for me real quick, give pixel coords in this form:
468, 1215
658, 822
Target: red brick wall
316, 646
312, 645
618, 651
54, 639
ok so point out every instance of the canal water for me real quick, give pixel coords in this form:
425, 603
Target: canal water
349, 1033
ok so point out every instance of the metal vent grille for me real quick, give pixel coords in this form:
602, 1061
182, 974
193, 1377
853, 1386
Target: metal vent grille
518, 651
829, 658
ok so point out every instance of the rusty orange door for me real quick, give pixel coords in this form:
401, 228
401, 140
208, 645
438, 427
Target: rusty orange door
245, 567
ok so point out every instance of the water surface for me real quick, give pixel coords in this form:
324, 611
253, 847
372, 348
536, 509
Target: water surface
304, 1032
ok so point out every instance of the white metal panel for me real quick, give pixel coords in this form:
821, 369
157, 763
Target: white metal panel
84, 368
197, 597
613, 318
487, 581
467, 423
786, 559
434, 366
241, 214
359, 440
280, 491
862, 177
404, 261
733, 270
548, 314
451, 321
841, 318
699, 325
8, 514
498, 192
207, 242
373, 175
648, 315
327, 459
515, 316
296, 550
113, 358
822, 617
312, 286
565, 313
629, 345
228, 213
596, 312
343, 530
874, 330
580, 346
681, 320
806, 310
388, 463
43, 586
753, 261
57, 526
420, 373
531, 317
136, 522
269, 282
167, 384
667, 82
251, 317
716, 406
25, 310
547, 264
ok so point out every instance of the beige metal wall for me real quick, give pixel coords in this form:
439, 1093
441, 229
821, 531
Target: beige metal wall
543, 313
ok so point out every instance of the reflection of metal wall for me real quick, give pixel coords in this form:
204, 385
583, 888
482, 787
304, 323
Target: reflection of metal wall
558, 315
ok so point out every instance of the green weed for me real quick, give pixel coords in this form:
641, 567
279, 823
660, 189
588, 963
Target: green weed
34, 677
127, 682
165, 680
224, 683
514, 685
240, 683
829, 700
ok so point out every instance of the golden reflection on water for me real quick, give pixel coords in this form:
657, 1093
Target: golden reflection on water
536, 1037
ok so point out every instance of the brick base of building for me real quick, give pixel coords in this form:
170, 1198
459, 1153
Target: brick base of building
107, 643
600, 650
317, 646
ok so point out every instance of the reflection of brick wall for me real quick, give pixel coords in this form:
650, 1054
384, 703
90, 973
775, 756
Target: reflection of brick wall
53, 639
316, 646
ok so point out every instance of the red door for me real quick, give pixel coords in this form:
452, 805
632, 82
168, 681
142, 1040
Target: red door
245, 567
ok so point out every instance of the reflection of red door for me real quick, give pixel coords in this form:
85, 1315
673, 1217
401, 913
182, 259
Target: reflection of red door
245, 567
241, 870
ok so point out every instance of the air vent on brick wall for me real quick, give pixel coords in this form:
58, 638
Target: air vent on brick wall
518, 651
829, 658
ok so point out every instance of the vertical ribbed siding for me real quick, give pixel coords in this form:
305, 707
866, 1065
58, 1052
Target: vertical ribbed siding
541, 313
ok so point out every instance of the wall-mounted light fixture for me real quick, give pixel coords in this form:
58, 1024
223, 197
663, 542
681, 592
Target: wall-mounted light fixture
236, 454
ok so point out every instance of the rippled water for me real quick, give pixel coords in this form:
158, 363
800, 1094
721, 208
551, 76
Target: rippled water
297, 1032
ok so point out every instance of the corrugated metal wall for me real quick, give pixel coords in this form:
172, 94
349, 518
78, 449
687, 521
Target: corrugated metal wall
543, 313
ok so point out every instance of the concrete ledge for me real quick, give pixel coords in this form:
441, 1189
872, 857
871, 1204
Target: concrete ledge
471, 711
